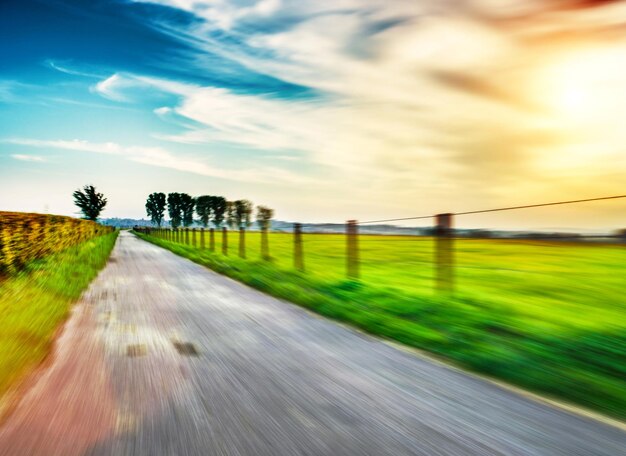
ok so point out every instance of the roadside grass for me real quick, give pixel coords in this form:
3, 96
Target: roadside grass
547, 316
37, 300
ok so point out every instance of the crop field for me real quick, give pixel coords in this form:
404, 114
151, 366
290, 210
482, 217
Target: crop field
549, 316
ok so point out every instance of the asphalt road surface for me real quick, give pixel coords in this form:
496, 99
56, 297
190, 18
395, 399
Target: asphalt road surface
164, 357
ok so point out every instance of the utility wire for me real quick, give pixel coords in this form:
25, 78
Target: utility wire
541, 205
397, 219
501, 209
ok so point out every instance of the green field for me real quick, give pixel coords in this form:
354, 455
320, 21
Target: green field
36, 301
549, 316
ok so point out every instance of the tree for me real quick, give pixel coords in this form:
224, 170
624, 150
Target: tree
231, 219
263, 217
204, 209
218, 208
90, 202
174, 208
155, 207
243, 213
187, 204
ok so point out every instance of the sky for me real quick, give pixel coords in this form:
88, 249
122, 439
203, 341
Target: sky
323, 110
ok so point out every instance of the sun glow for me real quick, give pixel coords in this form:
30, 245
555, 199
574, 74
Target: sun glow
586, 88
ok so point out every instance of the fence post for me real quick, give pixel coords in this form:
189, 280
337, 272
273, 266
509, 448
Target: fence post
187, 236
265, 247
224, 241
444, 258
352, 250
298, 257
202, 242
242, 242
212, 240
193, 237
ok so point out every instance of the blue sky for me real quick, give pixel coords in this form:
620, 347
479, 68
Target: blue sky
323, 110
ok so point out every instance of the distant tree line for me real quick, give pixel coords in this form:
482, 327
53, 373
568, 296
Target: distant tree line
210, 210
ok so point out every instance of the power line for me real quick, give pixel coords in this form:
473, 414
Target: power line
500, 209
397, 219
541, 205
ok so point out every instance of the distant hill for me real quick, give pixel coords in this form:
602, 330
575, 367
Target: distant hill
125, 222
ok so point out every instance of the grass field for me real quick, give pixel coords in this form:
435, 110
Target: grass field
36, 301
549, 316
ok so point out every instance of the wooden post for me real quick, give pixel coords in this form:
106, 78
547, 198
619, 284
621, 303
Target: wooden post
242, 242
352, 250
265, 246
212, 240
202, 242
224, 241
187, 236
444, 250
193, 237
298, 257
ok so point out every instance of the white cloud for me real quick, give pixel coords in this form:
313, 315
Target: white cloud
157, 156
222, 13
417, 97
114, 87
28, 158
65, 68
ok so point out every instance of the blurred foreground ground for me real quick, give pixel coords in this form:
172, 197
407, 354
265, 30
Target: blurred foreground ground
164, 357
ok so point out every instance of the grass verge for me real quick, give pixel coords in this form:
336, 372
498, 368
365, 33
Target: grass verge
566, 358
36, 301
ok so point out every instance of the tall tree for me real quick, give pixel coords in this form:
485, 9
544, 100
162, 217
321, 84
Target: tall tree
187, 204
204, 209
263, 217
231, 218
89, 202
155, 207
174, 208
218, 209
243, 213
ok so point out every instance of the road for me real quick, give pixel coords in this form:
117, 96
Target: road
164, 357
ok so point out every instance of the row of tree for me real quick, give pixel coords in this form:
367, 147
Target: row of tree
210, 209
